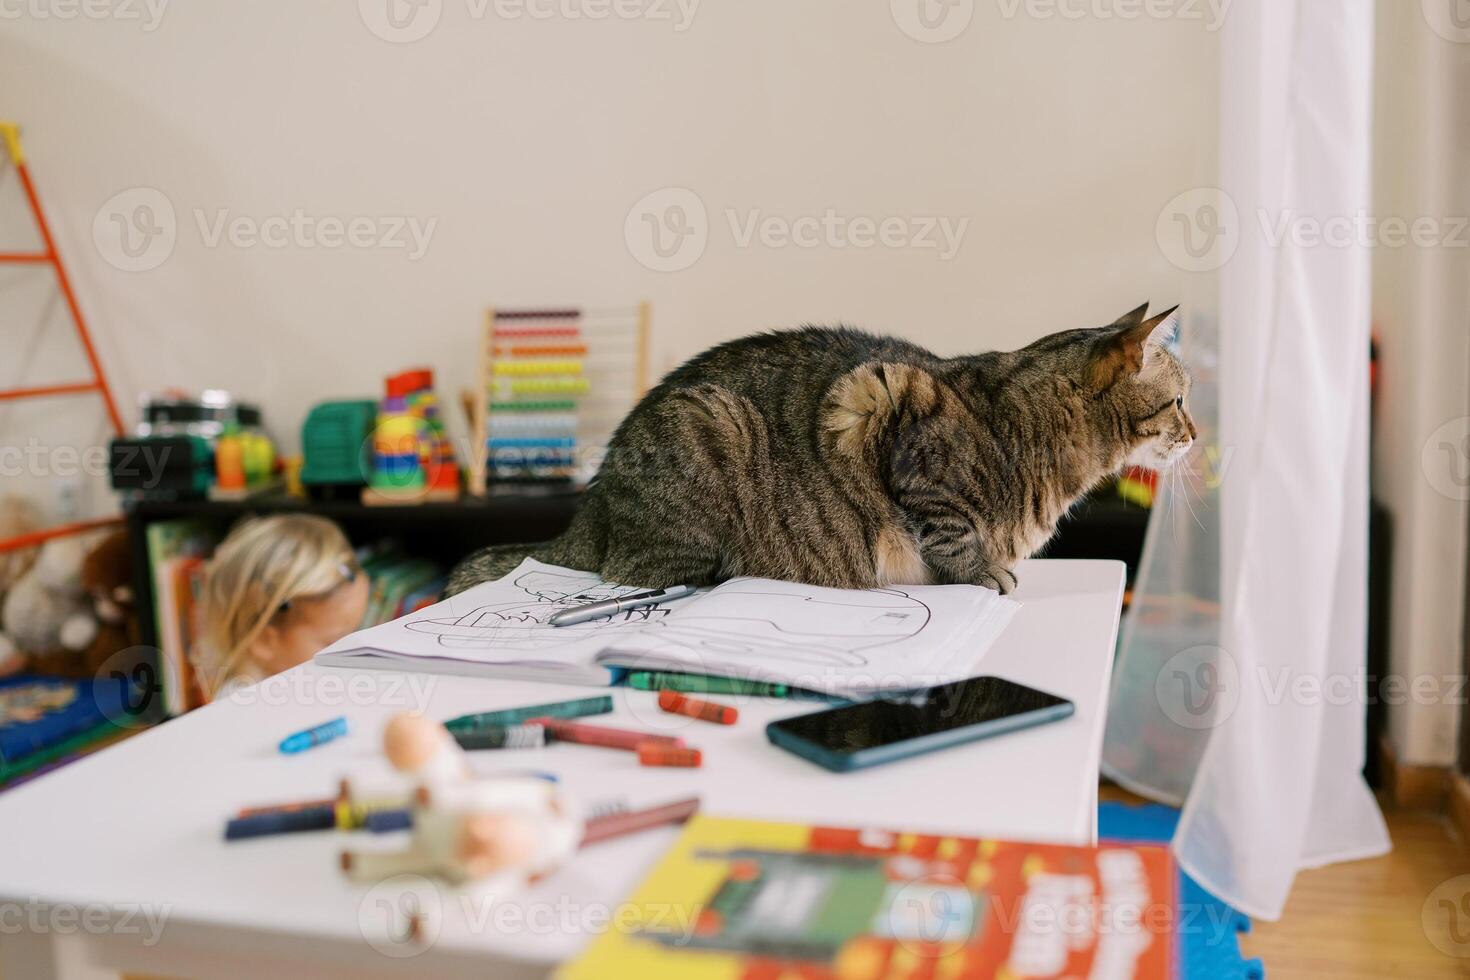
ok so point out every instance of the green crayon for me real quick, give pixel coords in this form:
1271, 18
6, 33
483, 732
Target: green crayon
580, 708
658, 680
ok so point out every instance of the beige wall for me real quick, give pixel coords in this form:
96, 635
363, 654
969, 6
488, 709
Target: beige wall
1422, 312
528, 141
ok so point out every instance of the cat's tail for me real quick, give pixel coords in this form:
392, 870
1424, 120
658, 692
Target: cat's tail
582, 547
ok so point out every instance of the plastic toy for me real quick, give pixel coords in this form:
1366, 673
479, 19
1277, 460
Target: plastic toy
412, 460
502, 831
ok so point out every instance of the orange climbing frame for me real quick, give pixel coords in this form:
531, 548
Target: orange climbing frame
10, 136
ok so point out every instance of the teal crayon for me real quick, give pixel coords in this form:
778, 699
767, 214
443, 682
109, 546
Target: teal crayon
319, 735
581, 708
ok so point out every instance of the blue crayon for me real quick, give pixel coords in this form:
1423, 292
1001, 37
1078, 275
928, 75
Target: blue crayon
322, 733
384, 821
283, 822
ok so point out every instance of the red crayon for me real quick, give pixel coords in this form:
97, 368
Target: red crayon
661, 754
678, 704
609, 738
618, 824
255, 811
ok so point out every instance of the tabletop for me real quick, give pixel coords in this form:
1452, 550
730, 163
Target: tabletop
118, 863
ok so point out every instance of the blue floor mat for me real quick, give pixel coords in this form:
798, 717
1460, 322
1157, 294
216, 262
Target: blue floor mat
1209, 941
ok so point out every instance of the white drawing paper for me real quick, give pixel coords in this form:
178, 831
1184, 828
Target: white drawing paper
834, 640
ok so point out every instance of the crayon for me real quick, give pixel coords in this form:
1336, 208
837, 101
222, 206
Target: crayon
608, 738
678, 704
518, 716
659, 680
660, 754
605, 808
325, 732
285, 822
609, 826
255, 811
385, 821
503, 737
339, 816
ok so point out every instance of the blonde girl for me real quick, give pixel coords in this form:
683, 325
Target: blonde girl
277, 590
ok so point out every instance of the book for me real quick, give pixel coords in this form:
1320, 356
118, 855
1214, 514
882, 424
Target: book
43, 718
751, 900
177, 550
845, 642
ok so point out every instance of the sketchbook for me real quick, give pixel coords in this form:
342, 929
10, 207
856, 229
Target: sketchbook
837, 641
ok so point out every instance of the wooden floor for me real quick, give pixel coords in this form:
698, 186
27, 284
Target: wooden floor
1366, 920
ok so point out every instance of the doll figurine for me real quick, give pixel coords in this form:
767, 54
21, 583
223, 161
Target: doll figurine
467, 828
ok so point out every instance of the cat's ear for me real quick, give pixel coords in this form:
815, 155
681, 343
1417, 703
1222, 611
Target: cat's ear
1130, 319
1121, 352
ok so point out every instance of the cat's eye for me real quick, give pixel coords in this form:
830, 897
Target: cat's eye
1179, 402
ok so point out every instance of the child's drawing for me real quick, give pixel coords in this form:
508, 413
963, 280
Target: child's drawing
742, 619
521, 625
747, 618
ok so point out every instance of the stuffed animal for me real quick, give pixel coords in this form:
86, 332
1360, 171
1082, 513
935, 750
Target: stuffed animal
17, 516
107, 577
48, 614
469, 829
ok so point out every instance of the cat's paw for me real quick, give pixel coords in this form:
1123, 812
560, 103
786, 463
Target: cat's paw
1002, 580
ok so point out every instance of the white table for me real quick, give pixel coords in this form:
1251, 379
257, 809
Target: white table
95, 858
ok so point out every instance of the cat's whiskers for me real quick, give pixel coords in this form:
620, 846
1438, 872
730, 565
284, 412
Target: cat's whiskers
1187, 486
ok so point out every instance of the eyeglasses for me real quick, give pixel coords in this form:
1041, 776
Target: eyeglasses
349, 570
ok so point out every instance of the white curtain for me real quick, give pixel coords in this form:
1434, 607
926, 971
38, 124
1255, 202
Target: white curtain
1240, 687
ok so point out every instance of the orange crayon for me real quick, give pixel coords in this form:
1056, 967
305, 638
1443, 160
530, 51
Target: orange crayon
678, 704
663, 754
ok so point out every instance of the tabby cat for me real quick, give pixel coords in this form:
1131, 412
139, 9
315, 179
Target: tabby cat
840, 458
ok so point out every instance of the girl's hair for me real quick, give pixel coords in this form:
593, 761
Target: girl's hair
264, 564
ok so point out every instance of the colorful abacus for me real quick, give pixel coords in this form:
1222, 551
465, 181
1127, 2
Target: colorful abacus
554, 384
412, 457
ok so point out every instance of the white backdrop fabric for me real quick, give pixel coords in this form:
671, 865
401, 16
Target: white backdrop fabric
1240, 688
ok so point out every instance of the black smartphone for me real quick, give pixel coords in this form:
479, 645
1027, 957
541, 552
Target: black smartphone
897, 726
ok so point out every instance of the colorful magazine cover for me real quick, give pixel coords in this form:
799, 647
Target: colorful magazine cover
750, 900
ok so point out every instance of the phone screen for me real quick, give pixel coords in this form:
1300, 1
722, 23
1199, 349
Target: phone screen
900, 717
